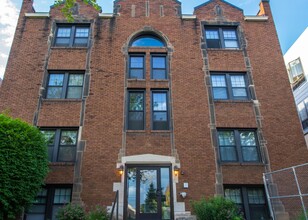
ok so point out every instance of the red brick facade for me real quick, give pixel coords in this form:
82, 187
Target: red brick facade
104, 143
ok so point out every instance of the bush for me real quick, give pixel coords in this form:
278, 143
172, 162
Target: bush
98, 213
23, 165
217, 208
71, 212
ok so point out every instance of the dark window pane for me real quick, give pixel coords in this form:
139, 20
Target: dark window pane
80, 41
62, 41
62, 196
160, 121
54, 92
37, 209
159, 74
67, 154
256, 196
160, 101
49, 136
136, 74
239, 92
258, 212
226, 138
135, 121
250, 154
228, 154
220, 93
147, 41
68, 138
56, 79
136, 62
213, 43
136, 101
160, 116
74, 92
159, 62
35, 216
234, 195
50, 153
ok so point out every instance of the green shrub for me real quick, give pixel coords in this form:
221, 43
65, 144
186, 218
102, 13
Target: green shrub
302, 215
23, 165
98, 213
217, 208
71, 212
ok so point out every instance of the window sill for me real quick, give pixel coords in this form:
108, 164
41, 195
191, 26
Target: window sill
160, 131
159, 80
135, 131
233, 101
242, 164
61, 163
225, 49
136, 80
68, 47
61, 100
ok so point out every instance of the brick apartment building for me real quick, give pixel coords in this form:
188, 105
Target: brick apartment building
185, 105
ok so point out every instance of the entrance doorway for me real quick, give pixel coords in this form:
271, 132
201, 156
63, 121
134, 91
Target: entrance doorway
148, 193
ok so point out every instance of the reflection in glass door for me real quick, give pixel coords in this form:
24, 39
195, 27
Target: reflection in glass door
148, 193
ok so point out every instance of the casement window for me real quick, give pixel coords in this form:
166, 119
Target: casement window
72, 35
221, 37
136, 110
48, 201
251, 201
158, 67
62, 144
136, 67
238, 146
229, 86
302, 108
65, 85
160, 117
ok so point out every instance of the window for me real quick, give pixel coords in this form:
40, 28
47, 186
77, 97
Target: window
135, 110
65, 86
303, 113
72, 35
61, 144
48, 201
229, 86
221, 37
160, 117
295, 69
251, 201
136, 67
238, 146
147, 41
159, 69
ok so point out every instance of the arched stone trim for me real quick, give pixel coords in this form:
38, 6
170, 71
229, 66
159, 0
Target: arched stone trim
147, 30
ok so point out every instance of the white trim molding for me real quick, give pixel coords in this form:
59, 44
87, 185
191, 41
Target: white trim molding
37, 15
255, 18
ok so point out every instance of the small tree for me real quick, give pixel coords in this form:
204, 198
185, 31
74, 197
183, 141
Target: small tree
216, 208
23, 165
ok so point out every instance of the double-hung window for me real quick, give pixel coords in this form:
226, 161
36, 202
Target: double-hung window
160, 118
229, 86
221, 37
136, 67
159, 67
48, 201
250, 200
62, 144
65, 85
238, 146
72, 35
136, 109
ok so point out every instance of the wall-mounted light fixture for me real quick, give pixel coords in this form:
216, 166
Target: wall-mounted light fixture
176, 170
120, 170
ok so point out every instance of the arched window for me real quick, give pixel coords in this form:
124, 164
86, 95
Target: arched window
147, 41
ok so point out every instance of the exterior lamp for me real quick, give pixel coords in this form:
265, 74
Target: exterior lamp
121, 170
176, 170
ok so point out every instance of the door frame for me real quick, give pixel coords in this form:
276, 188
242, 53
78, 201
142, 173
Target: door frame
157, 166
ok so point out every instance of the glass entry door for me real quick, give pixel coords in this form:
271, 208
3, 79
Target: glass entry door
148, 193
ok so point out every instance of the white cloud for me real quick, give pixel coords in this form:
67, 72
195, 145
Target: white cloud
8, 19
3, 55
2, 69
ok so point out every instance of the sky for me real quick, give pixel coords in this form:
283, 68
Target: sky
291, 18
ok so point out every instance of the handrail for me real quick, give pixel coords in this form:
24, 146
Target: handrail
115, 202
